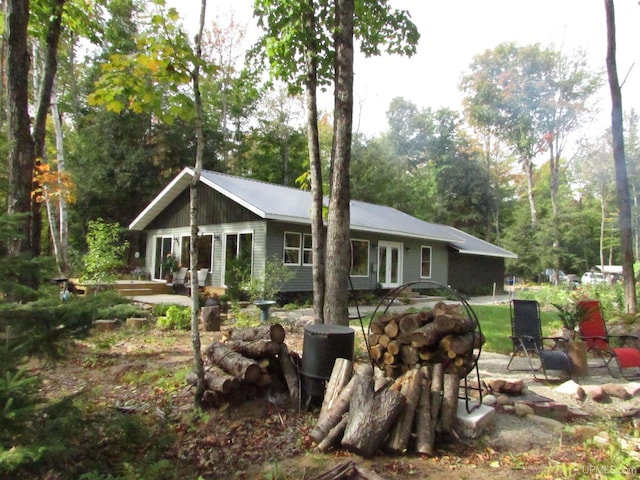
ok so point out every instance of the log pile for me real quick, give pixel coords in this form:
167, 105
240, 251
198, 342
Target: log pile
414, 399
248, 362
399, 342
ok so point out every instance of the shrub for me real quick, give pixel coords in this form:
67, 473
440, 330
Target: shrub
160, 309
106, 251
177, 318
121, 312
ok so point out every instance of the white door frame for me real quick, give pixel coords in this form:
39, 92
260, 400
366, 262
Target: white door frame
392, 254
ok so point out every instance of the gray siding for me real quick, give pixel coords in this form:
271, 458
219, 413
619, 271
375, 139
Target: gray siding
214, 209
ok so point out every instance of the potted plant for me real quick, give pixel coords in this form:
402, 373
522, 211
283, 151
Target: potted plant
570, 314
169, 266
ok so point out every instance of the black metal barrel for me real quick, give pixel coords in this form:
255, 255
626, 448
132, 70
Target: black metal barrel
322, 345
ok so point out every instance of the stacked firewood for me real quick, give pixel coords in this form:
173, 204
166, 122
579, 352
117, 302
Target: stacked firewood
399, 342
247, 362
413, 398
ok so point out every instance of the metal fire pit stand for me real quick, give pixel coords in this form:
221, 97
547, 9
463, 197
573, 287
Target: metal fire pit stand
389, 299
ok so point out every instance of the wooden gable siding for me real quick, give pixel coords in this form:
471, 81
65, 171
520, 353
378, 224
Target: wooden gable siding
214, 209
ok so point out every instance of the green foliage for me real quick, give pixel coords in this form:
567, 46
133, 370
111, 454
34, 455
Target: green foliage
170, 263
276, 275
106, 251
160, 309
121, 312
177, 318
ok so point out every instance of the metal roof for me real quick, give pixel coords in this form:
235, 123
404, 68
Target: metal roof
277, 202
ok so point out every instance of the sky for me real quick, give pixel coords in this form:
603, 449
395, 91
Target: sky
454, 31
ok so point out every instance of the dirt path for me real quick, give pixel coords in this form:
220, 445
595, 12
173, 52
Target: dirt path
134, 371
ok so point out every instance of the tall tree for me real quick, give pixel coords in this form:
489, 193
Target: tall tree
21, 154
193, 195
302, 53
622, 184
338, 223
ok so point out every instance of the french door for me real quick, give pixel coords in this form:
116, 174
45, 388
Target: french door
389, 264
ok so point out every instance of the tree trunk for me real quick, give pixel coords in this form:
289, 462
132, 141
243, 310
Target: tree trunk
233, 363
338, 253
273, 331
44, 99
290, 376
371, 415
335, 413
425, 418
193, 219
60, 235
21, 153
340, 376
257, 349
318, 236
401, 430
622, 184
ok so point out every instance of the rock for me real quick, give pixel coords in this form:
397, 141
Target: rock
489, 400
571, 388
522, 409
616, 390
583, 432
633, 388
136, 322
504, 400
511, 387
596, 393
549, 423
105, 325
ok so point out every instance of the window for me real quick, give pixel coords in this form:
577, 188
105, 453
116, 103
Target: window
425, 262
292, 248
205, 243
164, 247
307, 249
238, 257
359, 258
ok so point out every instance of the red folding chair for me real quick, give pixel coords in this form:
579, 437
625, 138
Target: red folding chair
593, 331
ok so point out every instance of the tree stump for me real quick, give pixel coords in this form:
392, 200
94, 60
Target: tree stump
211, 318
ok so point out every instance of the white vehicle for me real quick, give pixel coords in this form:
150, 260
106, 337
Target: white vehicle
592, 278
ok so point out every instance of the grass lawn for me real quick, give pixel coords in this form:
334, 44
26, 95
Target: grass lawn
495, 322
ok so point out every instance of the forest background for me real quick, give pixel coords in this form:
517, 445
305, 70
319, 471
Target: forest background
545, 195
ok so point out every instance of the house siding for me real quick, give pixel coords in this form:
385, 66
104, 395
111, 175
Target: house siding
474, 274
214, 209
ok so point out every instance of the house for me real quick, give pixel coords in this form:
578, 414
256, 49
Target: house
244, 222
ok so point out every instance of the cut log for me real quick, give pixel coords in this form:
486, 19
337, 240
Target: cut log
442, 325
211, 318
233, 363
256, 349
391, 329
215, 379
393, 347
334, 434
457, 344
340, 376
451, 387
410, 322
409, 355
384, 340
437, 384
335, 413
371, 415
388, 358
425, 422
403, 426
348, 471
376, 351
290, 373
273, 331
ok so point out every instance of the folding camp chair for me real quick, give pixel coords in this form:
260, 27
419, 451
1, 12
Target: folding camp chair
593, 331
526, 329
179, 280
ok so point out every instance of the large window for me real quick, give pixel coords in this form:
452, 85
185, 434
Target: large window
205, 251
307, 249
359, 258
238, 257
425, 262
292, 248
163, 247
